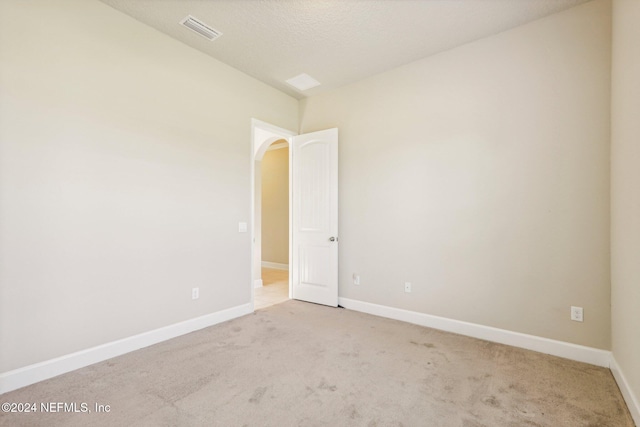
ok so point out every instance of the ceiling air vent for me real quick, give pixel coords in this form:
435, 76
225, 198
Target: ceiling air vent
303, 82
201, 28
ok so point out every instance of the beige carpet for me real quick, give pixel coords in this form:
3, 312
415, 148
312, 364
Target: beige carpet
299, 364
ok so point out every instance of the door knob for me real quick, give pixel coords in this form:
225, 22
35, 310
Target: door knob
332, 239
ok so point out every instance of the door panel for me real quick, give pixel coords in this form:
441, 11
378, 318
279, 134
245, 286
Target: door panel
315, 217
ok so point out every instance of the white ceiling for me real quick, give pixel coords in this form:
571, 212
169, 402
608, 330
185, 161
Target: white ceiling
335, 41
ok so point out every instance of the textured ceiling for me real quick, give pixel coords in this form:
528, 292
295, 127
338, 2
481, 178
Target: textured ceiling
335, 41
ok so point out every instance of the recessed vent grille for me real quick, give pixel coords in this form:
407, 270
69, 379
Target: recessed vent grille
201, 28
303, 82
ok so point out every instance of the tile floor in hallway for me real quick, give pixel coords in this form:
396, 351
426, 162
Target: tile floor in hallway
274, 290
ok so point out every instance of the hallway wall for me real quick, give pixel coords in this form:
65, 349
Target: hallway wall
275, 206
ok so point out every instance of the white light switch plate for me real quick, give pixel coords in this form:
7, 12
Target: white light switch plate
242, 227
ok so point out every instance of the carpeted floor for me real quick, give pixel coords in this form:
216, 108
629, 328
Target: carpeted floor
300, 364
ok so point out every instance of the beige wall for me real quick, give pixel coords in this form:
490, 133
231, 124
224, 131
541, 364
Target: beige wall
481, 175
625, 191
124, 171
275, 206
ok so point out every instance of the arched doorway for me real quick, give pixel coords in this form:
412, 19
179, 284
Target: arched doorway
264, 136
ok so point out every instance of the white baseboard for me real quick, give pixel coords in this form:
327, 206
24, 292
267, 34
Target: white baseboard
276, 265
629, 397
31, 374
576, 352
257, 283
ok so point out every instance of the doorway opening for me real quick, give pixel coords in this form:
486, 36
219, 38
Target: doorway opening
274, 171
313, 212
271, 282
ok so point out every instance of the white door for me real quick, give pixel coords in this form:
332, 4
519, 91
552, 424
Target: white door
314, 216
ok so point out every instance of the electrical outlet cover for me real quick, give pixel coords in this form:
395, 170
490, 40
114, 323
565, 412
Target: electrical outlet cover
577, 314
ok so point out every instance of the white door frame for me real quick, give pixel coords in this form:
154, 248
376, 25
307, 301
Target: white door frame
262, 136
